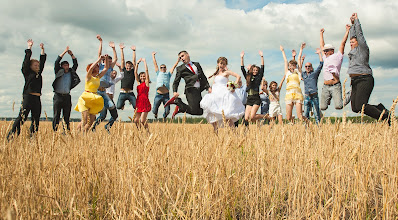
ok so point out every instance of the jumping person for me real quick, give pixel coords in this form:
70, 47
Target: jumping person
106, 82
310, 78
143, 105
253, 80
362, 80
293, 97
90, 103
31, 70
331, 72
127, 83
195, 83
65, 80
221, 102
162, 86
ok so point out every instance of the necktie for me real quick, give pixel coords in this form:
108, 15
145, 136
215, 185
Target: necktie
190, 67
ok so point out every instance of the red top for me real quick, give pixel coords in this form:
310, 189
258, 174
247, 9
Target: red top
143, 104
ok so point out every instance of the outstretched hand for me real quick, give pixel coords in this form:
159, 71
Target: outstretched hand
143, 60
242, 54
41, 46
303, 45
112, 44
318, 51
303, 58
133, 47
153, 53
70, 52
121, 45
260, 53
347, 27
281, 48
322, 30
99, 37
30, 43
249, 66
139, 61
294, 53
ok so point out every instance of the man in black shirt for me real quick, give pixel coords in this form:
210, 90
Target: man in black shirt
127, 83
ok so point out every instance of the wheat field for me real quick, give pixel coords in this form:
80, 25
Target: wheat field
186, 171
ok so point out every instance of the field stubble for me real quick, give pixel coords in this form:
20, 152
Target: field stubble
330, 171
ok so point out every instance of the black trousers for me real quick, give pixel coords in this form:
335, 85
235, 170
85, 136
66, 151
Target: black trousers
61, 103
194, 97
362, 87
30, 103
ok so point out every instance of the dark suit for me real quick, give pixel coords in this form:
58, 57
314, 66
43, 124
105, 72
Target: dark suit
191, 92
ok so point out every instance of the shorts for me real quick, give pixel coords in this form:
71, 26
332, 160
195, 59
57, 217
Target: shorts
274, 109
253, 100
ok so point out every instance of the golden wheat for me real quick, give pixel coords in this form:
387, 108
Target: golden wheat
187, 171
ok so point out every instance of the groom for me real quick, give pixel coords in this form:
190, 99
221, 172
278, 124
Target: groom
195, 83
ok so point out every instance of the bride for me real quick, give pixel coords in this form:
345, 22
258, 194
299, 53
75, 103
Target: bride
221, 99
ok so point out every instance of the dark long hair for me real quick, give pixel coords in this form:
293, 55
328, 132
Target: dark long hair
250, 74
219, 60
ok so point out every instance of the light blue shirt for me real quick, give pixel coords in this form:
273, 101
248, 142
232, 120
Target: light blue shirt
242, 94
63, 84
163, 79
105, 81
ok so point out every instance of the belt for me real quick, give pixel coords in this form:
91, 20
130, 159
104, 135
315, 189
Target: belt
90, 92
102, 89
312, 94
359, 75
61, 94
332, 84
252, 92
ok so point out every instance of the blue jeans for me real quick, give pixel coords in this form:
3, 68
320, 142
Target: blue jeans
309, 102
159, 98
108, 105
123, 97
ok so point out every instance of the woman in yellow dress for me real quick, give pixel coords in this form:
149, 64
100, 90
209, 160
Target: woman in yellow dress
294, 96
90, 103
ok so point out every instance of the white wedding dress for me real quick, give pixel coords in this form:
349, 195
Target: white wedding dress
221, 99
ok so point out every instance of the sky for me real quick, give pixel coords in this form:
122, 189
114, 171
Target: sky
207, 29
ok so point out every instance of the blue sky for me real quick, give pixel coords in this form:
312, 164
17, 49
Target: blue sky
207, 29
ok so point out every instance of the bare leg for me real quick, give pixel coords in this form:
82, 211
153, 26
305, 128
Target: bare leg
289, 108
247, 112
85, 118
299, 110
253, 112
143, 119
280, 119
136, 119
215, 127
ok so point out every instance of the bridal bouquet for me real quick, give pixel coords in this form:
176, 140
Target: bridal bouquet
231, 86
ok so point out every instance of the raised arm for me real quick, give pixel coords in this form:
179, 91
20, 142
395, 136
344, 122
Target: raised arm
318, 51
28, 54
43, 58
123, 62
146, 73
294, 53
344, 41
134, 55
322, 42
300, 63
90, 70
242, 64
100, 46
74, 60
154, 61
284, 58
119, 77
114, 60
175, 65
237, 76
318, 70
262, 57
106, 67
136, 70
281, 83
358, 31
57, 65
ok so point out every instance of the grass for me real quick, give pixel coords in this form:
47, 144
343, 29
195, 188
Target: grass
343, 170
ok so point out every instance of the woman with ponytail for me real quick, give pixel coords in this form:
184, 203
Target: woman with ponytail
222, 103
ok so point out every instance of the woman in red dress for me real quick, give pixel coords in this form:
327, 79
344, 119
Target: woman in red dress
143, 106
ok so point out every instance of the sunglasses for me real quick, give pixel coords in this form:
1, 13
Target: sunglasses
162, 67
328, 50
307, 66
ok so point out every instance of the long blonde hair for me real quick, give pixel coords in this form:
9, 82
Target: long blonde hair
219, 60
